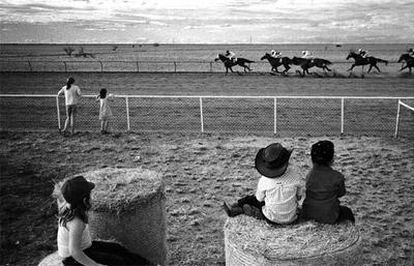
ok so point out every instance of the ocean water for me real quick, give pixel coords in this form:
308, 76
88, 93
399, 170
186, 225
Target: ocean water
41, 55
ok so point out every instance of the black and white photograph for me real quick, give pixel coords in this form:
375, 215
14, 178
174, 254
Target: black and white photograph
198, 133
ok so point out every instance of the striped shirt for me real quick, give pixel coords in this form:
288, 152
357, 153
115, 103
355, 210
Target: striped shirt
282, 196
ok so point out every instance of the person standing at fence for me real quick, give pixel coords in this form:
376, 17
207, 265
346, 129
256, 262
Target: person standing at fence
72, 95
324, 186
105, 113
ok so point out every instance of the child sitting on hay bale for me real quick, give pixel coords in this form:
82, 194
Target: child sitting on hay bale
280, 189
323, 188
75, 245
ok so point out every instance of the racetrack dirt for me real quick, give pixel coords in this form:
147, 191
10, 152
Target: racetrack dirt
200, 171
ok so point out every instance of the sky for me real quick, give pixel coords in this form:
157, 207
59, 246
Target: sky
207, 21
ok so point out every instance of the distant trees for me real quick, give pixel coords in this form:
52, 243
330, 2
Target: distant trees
68, 50
81, 53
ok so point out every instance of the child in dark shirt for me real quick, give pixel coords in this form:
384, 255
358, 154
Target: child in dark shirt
324, 187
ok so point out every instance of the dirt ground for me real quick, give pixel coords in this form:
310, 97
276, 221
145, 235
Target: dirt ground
200, 171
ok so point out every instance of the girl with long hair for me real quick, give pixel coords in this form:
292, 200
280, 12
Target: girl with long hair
72, 95
74, 242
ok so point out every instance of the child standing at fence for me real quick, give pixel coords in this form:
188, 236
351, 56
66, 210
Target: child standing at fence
105, 113
72, 95
74, 242
324, 187
280, 190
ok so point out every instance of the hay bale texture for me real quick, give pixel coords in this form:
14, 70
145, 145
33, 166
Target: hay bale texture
129, 208
249, 241
52, 260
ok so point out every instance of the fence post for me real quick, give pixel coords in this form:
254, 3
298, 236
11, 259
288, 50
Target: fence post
175, 66
137, 66
397, 120
58, 111
342, 114
30, 66
100, 62
66, 67
275, 115
211, 66
127, 113
201, 115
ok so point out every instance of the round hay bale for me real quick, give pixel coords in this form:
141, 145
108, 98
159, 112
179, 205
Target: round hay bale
249, 241
129, 208
52, 260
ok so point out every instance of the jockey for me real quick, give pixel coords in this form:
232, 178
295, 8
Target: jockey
230, 55
306, 54
363, 53
411, 52
275, 54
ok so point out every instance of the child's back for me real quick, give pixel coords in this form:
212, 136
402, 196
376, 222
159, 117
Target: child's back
324, 187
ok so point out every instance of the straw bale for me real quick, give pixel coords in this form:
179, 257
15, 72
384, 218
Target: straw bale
51, 260
118, 190
129, 208
249, 241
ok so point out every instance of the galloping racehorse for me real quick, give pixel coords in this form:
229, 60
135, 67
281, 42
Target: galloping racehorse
228, 64
408, 60
306, 63
277, 62
361, 61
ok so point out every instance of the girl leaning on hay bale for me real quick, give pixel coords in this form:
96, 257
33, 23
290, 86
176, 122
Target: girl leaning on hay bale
324, 187
75, 245
280, 190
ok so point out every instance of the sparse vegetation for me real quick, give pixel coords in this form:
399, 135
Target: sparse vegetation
82, 53
69, 50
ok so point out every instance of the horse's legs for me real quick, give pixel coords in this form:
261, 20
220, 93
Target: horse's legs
352, 67
369, 69
327, 68
404, 67
377, 68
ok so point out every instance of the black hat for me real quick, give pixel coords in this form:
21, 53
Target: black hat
273, 160
75, 189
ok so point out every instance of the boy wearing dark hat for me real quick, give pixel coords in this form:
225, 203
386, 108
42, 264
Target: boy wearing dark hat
280, 189
324, 187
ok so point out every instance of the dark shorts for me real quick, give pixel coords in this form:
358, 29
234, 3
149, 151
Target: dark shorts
109, 253
71, 109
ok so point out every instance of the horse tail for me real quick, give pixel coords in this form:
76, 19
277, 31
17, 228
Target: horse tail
249, 61
328, 62
382, 61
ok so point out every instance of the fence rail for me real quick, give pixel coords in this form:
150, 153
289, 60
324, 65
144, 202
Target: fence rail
282, 115
141, 66
397, 122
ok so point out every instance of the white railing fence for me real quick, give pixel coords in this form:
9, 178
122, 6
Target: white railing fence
397, 122
282, 115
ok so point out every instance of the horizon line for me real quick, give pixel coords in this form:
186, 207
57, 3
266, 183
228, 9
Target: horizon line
167, 43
